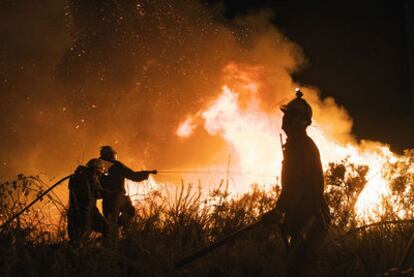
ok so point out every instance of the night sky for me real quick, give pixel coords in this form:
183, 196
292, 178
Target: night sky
357, 52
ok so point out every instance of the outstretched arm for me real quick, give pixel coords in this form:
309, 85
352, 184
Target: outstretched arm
136, 176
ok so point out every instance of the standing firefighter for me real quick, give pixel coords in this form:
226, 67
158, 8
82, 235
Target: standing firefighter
117, 206
306, 214
84, 190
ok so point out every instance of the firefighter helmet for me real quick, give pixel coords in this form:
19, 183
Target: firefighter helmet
107, 152
300, 107
98, 165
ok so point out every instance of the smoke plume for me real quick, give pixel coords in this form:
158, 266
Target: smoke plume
81, 74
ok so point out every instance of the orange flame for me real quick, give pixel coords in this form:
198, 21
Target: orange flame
186, 128
238, 117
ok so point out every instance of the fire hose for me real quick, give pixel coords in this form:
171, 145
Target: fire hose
228, 238
5, 224
34, 201
231, 236
203, 251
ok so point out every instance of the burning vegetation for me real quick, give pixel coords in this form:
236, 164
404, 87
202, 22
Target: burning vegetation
239, 118
173, 222
154, 79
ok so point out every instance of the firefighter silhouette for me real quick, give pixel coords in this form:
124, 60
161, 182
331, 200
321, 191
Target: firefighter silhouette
302, 203
117, 206
84, 190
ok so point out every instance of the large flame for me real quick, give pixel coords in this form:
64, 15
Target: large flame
252, 133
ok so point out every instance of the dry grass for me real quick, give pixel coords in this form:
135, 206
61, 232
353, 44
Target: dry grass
170, 226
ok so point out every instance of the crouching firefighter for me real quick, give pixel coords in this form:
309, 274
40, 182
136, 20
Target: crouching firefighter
117, 206
305, 212
84, 190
